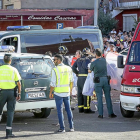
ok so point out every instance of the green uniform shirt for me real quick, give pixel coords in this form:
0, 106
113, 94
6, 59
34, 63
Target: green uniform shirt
99, 67
8, 76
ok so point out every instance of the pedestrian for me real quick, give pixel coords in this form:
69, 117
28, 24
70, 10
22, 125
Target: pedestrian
110, 5
82, 72
77, 55
62, 84
101, 80
101, 4
8, 76
63, 50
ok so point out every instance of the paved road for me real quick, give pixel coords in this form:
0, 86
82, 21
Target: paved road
87, 126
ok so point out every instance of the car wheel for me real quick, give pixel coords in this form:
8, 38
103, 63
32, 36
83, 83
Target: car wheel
126, 113
45, 112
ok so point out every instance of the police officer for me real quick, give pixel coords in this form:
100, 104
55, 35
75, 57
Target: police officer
8, 76
63, 50
101, 80
82, 72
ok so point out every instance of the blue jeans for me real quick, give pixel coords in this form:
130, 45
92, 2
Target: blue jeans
59, 105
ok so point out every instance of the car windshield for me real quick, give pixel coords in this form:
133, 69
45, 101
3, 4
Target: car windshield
33, 67
134, 55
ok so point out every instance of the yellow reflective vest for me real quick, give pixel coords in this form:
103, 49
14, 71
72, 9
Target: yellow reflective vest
63, 75
8, 76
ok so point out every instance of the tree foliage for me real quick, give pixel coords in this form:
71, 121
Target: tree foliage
106, 23
136, 21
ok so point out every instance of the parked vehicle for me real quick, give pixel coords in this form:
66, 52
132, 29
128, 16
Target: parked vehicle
28, 39
35, 71
130, 84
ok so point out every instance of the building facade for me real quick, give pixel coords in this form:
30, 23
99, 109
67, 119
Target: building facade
127, 14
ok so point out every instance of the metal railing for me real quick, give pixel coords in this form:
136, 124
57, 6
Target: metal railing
129, 3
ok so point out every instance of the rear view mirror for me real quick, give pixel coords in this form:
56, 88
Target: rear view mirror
120, 62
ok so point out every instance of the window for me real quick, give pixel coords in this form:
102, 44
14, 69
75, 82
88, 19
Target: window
134, 56
79, 41
10, 6
0, 4
128, 21
41, 43
13, 41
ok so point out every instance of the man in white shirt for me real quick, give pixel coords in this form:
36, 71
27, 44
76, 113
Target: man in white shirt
62, 84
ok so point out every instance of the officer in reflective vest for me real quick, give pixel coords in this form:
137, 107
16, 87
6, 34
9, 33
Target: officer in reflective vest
82, 72
9, 77
62, 84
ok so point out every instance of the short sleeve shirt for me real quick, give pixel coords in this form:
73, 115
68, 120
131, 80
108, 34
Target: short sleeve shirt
99, 67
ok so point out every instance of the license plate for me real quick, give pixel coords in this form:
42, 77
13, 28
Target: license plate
36, 95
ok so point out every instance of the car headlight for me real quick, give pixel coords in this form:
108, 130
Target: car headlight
128, 89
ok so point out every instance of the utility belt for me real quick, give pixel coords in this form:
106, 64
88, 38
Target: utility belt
82, 74
97, 79
15, 90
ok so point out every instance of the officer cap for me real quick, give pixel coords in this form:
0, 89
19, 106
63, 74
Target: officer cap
63, 50
85, 50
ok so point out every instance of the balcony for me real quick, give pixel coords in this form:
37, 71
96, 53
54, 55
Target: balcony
129, 4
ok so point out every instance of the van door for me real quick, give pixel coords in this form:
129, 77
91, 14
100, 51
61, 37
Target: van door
13, 40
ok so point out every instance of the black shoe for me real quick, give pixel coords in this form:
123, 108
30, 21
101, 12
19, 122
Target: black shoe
10, 136
81, 110
88, 111
72, 108
113, 116
100, 116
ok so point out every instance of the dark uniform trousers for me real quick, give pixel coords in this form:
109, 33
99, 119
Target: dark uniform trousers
83, 101
7, 96
103, 85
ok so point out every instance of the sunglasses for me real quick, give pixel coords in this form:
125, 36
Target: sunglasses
55, 59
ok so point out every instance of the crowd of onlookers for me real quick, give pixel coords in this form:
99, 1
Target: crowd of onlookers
116, 42
109, 6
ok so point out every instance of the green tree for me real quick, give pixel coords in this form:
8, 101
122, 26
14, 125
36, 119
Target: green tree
136, 21
106, 23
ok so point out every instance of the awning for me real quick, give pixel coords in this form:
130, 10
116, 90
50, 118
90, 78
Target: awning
10, 15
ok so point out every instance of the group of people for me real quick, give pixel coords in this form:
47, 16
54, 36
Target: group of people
108, 7
117, 42
62, 84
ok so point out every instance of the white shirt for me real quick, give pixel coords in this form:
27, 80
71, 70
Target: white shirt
53, 83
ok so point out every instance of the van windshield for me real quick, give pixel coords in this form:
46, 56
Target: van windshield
134, 55
33, 68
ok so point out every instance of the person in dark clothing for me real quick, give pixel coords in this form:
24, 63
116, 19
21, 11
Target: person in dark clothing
102, 83
121, 47
63, 50
82, 72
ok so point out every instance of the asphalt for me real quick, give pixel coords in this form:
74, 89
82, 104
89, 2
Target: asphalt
87, 126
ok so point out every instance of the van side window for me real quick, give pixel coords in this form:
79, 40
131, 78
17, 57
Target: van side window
45, 42
80, 41
11, 41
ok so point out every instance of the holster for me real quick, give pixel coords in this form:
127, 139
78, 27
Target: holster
96, 80
15, 91
109, 78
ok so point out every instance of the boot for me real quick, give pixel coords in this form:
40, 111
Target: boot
9, 134
81, 110
88, 111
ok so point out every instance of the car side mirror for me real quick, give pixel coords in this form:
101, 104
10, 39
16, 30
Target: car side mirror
120, 62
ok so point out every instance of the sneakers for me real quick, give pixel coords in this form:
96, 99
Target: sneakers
72, 130
112, 115
61, 131
100, 116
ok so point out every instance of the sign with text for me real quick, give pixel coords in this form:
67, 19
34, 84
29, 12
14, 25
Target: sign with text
40, 18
